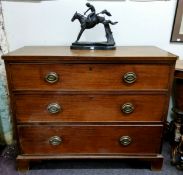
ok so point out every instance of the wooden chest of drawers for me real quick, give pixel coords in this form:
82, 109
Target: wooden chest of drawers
89, 104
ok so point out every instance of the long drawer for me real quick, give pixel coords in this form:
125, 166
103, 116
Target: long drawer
87, 107
81, 139
89, 76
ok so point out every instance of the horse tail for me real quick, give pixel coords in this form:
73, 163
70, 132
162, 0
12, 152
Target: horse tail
113, 23
106, 12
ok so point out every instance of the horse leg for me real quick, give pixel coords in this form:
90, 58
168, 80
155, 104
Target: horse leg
80, 33
109, 36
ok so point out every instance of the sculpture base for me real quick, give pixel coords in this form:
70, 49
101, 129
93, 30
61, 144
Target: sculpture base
93, 46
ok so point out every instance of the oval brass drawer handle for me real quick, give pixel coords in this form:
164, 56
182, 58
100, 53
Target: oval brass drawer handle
127, 108
51, 77
130, 77
54, 108
125, 140
55, 140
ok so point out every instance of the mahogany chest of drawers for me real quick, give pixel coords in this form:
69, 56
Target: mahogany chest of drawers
89, 104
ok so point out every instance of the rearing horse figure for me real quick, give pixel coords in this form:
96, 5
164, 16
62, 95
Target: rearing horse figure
92, 22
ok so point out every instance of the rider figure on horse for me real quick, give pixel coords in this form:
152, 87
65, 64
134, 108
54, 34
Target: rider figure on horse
93, 12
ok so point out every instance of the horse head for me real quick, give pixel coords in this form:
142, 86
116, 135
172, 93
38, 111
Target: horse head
74, 17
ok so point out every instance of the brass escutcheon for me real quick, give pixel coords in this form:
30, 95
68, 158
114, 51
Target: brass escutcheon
53, 108
127, 108
125, 140
130, 77
55, 140
51, 77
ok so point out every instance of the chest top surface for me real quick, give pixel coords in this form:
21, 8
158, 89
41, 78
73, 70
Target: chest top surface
65, 53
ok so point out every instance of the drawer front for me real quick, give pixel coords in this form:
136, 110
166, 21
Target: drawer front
55, 108
102, 139
89, 76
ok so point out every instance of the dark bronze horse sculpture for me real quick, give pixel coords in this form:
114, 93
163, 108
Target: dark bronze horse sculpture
91, 21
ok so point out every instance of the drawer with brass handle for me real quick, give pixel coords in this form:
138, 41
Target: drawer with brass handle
90, 139
89, 76
84, 108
